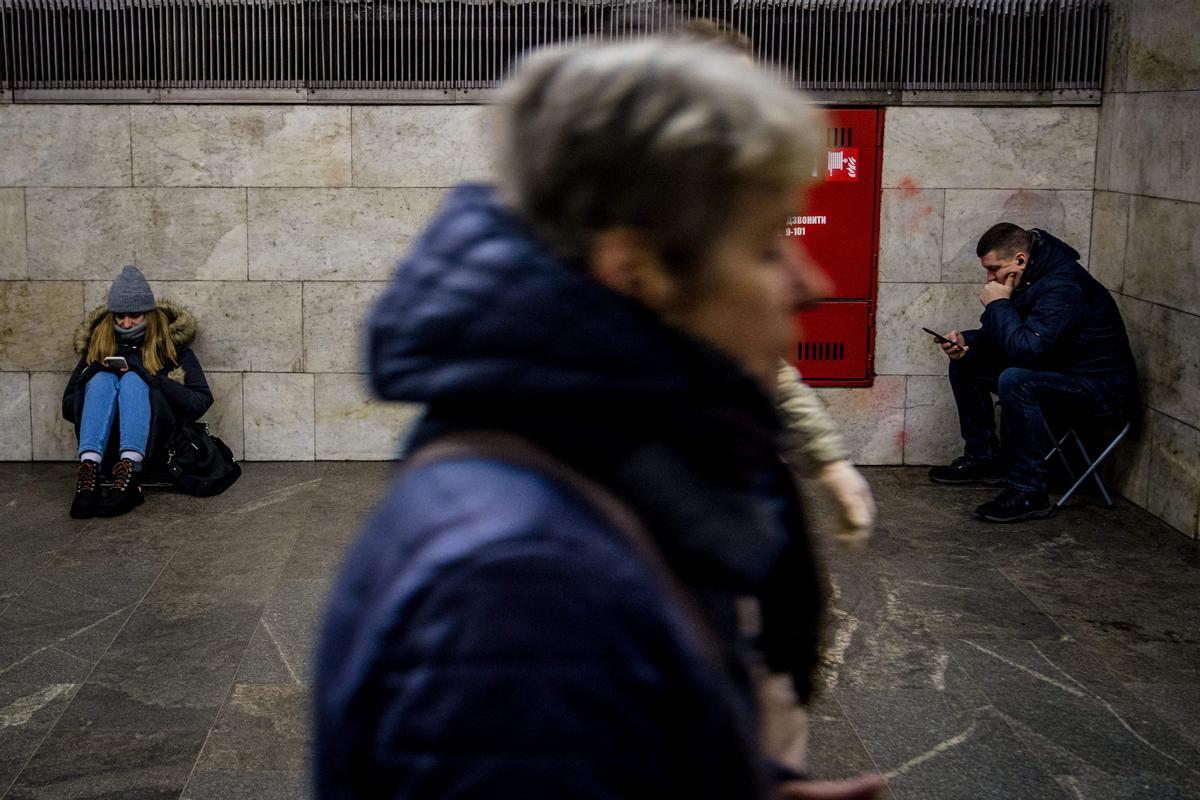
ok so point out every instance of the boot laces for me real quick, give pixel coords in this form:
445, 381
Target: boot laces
87, 477
122, 472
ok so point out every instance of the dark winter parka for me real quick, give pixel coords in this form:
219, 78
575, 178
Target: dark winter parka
1060, 319
492, 635
178, 392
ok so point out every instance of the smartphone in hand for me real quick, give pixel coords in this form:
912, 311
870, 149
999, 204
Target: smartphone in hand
937, 337
117, 363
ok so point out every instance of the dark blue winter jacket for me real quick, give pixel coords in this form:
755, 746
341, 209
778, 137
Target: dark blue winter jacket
491, 634
1060, 319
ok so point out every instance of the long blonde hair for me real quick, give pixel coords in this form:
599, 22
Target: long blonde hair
157, 348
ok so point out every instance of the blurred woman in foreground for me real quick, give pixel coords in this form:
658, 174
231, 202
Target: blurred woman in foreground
543, 605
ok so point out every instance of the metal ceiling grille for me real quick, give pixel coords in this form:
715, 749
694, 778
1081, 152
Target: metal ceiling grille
375, 50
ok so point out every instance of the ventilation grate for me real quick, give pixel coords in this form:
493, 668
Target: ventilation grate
822, 351
899, 47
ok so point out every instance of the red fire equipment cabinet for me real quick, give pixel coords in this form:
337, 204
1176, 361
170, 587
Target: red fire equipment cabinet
839, 230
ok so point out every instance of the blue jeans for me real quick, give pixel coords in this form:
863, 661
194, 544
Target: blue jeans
1026, 397
104, 393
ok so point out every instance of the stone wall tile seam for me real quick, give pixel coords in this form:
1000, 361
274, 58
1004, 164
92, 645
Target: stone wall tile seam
945, 192
243, 387
1125, 252
246, 209
29, 389
25, 222
1171, 417
1126, 293
129, 118
913, 283
904, 427
1090, 186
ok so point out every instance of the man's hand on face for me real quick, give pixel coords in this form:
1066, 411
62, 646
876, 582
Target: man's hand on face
998, 290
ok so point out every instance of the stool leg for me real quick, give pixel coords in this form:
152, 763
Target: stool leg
1092, 466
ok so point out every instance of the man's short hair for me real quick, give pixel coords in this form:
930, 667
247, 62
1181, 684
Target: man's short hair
1005, 238
663, 135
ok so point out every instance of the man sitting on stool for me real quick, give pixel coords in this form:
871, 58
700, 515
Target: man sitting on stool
1050, 337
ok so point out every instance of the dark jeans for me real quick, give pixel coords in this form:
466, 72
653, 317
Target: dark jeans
1027, 396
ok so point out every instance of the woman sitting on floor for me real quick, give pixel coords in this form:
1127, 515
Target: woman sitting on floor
158, 382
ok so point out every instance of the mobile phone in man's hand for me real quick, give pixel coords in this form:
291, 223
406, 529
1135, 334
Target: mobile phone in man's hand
937, 337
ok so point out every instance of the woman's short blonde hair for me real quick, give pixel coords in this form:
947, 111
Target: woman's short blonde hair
665, 135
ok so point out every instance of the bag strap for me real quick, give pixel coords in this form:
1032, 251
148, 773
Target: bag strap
518, 451
783, 727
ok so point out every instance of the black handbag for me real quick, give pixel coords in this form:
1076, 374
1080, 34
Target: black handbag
198, 462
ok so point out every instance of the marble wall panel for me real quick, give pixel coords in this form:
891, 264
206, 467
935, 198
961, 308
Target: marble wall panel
1174, 482
422, 145
280, 417
252, 326
12, 235
910, 235
871, 419
970, 212
53, 437
225, 417
1110, 227
16, 433
171, 234
334, 323
334, 234
64, 145
353, 426
37, 320
1168, 363
241, 146
1148, 145
901, 348
931, 434
1161, 257
1162, 52
990, 148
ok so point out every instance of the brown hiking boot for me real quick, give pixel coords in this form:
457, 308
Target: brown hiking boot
126, 492
87, 491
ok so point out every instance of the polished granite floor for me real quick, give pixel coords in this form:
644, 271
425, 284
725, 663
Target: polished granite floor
166, 654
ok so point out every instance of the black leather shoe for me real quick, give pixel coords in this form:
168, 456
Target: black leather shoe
1014, 505
966, 471
87, 491
126, 492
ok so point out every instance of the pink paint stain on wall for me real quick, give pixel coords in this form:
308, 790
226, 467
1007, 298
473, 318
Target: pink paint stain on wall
908, 187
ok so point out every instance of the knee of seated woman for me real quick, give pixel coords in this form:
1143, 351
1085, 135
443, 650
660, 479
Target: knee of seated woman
102, 379
131, 377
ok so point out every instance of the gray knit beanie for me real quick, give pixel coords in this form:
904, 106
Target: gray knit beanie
130, 293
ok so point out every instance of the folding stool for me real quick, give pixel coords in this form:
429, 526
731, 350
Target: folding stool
1092, 465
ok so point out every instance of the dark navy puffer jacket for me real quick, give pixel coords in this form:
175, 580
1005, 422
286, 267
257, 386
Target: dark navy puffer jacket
491, 635
1060, 319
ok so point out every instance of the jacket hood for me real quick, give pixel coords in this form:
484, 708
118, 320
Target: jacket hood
481, 308
494, 332
1049, 253
181, 325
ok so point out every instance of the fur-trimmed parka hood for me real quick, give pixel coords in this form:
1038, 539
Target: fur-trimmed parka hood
181, 325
